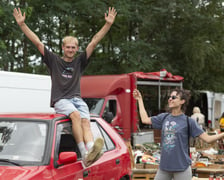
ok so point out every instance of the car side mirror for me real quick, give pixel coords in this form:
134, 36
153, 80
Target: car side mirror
108, 116
67, 158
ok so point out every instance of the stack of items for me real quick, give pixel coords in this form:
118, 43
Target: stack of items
208, 162
147, 156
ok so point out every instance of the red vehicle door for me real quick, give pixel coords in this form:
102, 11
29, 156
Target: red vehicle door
64, 142
113, 164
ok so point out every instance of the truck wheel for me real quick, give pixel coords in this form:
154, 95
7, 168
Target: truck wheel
125, 178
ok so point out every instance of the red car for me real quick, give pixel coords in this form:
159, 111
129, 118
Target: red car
41, 147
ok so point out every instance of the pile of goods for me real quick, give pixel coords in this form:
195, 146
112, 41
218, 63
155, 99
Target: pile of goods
147, 154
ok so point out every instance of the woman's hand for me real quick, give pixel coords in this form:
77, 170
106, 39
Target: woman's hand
136, 94
111, 15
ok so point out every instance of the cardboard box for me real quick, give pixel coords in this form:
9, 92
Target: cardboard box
140, 166
151, 166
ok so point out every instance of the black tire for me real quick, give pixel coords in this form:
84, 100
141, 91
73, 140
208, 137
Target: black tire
125, 178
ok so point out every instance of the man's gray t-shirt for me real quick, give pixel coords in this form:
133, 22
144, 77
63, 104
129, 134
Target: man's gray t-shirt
65, 76
174, 140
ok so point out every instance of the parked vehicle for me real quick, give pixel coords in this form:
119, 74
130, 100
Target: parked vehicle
41, 146
23, 92
110, 97
211, 105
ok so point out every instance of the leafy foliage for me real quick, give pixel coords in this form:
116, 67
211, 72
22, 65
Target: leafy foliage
183, 36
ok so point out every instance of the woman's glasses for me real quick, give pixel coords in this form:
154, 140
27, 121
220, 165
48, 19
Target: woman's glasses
172, 97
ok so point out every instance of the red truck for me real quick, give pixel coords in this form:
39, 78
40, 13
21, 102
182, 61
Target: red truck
110, 97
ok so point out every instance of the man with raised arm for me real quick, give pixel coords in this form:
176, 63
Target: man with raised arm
66, 72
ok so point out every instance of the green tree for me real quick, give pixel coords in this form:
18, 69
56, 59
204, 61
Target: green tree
183, 36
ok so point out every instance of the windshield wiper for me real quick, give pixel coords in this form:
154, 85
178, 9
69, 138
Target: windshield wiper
10, 161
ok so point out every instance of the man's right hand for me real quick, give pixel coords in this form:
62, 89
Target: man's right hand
19, 17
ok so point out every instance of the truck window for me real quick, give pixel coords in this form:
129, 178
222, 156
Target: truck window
110, 110
155, 101
94, 104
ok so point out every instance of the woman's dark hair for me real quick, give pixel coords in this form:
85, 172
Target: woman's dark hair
184, 95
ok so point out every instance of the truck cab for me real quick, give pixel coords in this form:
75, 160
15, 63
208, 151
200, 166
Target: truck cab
110, 97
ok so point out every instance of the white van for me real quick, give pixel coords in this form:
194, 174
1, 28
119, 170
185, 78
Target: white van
211, 105
24, 93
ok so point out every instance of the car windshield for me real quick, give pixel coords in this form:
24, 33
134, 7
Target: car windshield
94, 104
22, 140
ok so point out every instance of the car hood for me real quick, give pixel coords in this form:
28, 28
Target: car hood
21, 172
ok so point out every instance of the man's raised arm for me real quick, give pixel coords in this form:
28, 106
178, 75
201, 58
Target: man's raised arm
103, 31
20, 19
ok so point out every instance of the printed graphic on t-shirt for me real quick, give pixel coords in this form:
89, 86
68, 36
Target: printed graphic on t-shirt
67, 73
169, 135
